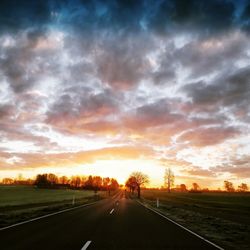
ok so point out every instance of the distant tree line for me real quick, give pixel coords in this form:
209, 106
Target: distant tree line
228, 187
169, 185
19, 180
49, 180
76, 182
135, 182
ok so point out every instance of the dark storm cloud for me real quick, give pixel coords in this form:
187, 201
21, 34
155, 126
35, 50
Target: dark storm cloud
15, 14
14, 69
245, 17
22, 64
207, 16
84, 15
206, 56
228, 89
166, 71
69, 108
121, 62
152, 115
125, 15
159, 16
17, 132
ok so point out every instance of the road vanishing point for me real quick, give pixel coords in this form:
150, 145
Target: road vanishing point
115, 223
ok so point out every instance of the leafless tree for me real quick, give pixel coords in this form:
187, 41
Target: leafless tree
229, 186
243, 187
169, 179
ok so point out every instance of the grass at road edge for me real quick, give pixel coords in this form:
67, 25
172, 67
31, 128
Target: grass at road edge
51, 201
15, 216
179, 225
225, 233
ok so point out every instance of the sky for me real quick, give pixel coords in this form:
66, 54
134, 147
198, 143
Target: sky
111, 87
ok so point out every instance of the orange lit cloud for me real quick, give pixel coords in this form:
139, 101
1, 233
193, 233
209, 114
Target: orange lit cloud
61, 159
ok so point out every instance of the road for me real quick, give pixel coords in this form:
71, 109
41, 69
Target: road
115, 223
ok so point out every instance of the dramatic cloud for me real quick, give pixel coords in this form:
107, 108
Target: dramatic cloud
232, 89
166, 81
208, 136
38, 160
152, 115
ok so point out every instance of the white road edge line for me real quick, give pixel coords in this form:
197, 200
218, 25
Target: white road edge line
48, 215
112, 211
188, 230
86, 245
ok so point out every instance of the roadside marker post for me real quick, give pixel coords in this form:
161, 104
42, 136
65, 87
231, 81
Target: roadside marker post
73, 201
157, 203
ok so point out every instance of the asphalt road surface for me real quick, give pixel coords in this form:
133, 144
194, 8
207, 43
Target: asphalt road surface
115, 223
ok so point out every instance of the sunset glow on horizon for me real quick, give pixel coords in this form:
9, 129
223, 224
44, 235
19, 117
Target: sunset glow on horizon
110, 88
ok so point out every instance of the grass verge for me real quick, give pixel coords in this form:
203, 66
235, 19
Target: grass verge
39, 202
202, 214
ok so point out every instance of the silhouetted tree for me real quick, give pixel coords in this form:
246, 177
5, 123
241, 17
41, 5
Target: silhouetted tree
97, 182
75, 181
23, 181
52, 179
195, 187
106, 183
140, 180
131, 184
89, 183
114, 184
63, 180
42, 181
169, 179
229, 186
183, 188
83, 180
243, 187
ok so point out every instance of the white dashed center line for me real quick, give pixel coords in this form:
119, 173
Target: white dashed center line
86, 245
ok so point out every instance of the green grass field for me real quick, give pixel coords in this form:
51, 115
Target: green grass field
23, 195
19, 203
223, 218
